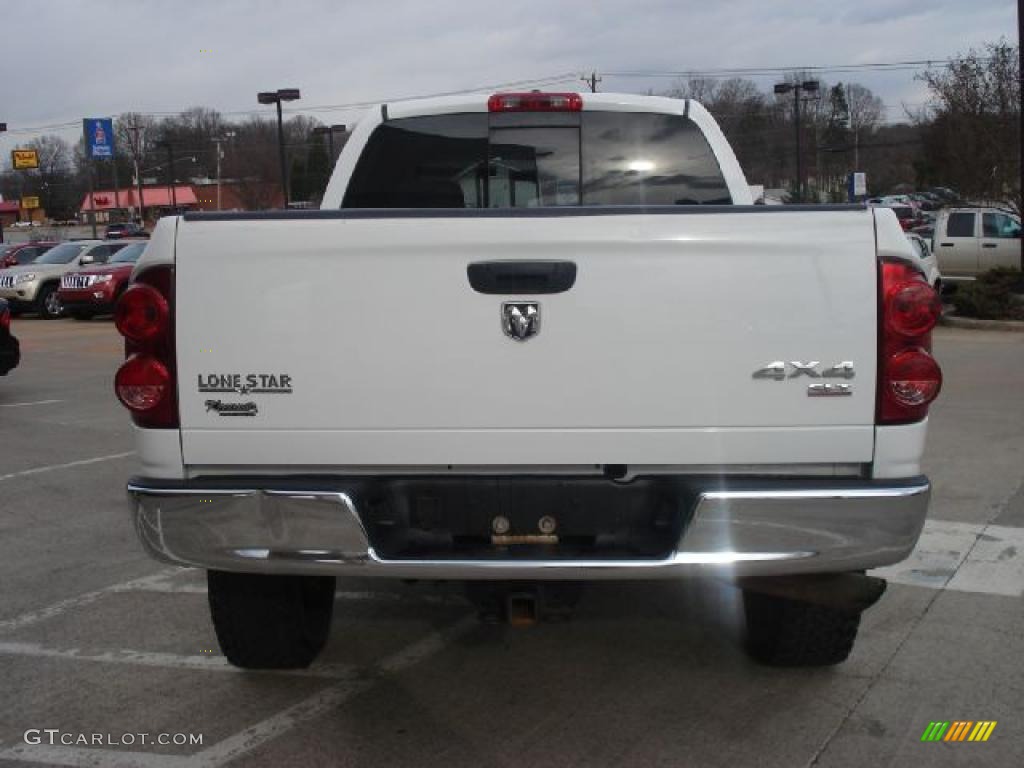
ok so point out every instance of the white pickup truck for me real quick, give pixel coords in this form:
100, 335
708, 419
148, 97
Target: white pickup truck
528, 341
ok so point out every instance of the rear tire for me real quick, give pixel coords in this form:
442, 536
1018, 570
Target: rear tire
791, 633
270, 621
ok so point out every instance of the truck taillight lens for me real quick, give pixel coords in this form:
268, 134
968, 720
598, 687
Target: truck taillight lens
141, 313
913, 378
909, 379
912, 308
146, 383
535, 102
142, 383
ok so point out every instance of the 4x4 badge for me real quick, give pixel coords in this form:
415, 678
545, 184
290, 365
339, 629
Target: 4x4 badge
520, 320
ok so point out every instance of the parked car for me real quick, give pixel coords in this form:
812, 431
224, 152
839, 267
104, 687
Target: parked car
927, 231
925, 202
513, 393
969, 241
906, 214
23, 253
926, 259
125, 229
94, 289
10, 353
946, 195
33, 287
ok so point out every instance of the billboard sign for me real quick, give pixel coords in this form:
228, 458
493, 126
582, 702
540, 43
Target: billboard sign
28, 202
24, 159
99, 137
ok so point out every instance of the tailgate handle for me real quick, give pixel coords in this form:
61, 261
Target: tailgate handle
521, 277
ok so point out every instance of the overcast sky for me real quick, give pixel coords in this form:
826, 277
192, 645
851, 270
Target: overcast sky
67, 60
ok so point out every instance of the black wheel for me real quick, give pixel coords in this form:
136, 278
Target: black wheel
270, 622
791, 633
48, 303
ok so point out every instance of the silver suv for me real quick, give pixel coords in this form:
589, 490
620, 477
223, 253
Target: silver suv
33, 287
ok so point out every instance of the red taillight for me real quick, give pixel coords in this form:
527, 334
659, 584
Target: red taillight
535, 102
5, 320
912, 308
913, 378
142, 383
146, 383
141, 313
909, 379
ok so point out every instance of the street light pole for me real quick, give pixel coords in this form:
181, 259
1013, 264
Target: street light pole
277, 97
808, 86
330, 130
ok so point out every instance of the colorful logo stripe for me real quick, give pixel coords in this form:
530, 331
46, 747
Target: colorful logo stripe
959, 730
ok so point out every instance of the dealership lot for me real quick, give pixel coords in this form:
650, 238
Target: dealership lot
95, 638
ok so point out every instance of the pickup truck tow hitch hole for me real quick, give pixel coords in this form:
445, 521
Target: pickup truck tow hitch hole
523, 603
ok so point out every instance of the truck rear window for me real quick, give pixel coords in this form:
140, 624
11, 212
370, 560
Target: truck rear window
523, 160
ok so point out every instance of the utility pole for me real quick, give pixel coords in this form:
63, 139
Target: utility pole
136, 146
593, 80
91, 166
170, 172
1020, 98
220, 154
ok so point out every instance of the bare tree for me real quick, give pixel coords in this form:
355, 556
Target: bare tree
972, 140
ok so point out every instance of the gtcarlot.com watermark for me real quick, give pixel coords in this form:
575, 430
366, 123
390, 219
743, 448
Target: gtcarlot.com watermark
56, 737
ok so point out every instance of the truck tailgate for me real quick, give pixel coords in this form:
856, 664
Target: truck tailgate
359, 341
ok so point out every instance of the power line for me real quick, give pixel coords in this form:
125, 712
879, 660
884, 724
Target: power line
319, 108
774, 71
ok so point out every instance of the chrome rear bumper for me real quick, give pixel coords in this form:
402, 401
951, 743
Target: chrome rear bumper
759, 528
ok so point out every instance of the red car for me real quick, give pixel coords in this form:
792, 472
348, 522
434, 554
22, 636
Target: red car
14, 255
94, 290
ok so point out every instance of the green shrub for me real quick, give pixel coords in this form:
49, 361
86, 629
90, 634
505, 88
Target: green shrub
995, 295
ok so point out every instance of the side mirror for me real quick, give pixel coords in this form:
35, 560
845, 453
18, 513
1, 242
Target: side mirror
87, 259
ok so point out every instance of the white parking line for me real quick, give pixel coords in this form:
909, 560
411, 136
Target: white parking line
324, 701
68, 465
83, 757
211, 663
56, 609
25, 405
966, 557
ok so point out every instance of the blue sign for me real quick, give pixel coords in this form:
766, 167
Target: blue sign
99, 136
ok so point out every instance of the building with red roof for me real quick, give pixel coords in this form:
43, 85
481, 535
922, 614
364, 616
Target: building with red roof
121, 204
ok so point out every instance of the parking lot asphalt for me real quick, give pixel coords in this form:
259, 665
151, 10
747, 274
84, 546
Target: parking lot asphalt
96, 639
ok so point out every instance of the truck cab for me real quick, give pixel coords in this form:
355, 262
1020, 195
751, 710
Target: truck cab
969, 241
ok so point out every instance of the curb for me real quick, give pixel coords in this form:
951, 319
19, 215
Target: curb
981, 325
